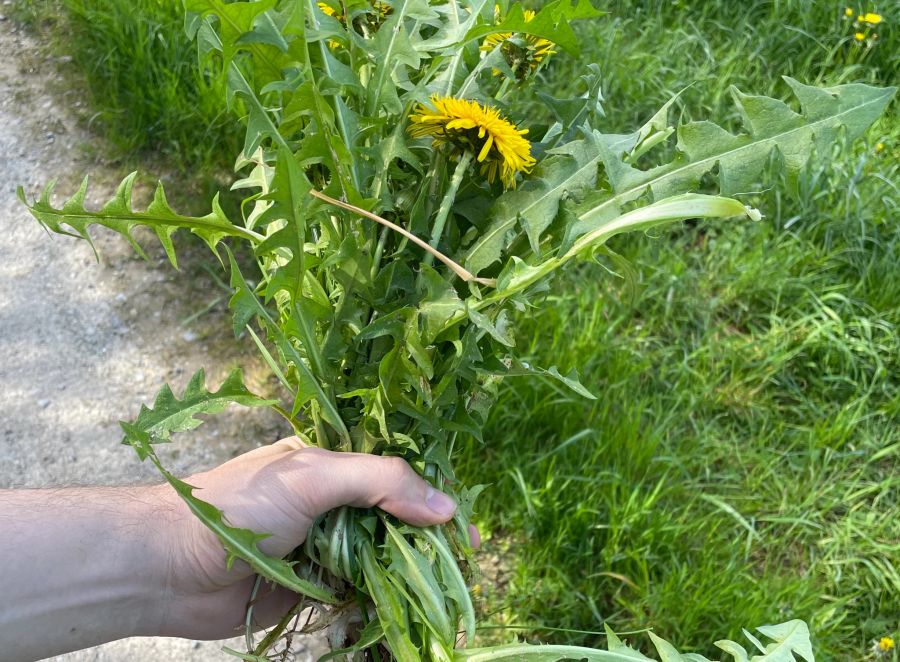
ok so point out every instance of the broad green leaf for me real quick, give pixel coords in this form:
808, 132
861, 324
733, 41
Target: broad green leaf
499, 329
239, 543
117, 214
789, 638
235, 20
675, 208
702, 146
439, 303
570, 169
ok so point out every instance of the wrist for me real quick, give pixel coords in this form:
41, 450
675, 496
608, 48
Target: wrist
96, 566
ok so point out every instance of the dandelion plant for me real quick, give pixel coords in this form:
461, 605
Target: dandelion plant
401, 212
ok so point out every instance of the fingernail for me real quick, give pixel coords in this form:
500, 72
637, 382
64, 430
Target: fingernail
439, 502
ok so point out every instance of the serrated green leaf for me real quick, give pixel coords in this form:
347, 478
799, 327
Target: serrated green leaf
169, 414
117, 215
789, 638
570, 169
238, 543
246, 305
550, 22
391, 48
453, 582
741, 159
260, 124
235, 20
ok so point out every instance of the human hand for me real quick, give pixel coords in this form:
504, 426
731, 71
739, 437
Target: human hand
280, 489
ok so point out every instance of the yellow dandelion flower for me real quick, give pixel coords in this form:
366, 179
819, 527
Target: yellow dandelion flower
879, 147
848, 12
382, 9
871, 19
521, 58
466, 125
328, 10
859, 36
885, 644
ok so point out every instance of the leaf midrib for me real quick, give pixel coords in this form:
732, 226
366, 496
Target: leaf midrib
138, 219
811, 126
509, 221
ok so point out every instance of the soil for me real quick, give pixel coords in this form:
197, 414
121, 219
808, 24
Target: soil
84, 341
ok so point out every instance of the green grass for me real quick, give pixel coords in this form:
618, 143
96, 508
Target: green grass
140, 73
739, 465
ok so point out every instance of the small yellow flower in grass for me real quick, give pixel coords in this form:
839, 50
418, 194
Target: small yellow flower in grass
871, 19
498, 145
859, 36
882, 647
524, 56
848, 12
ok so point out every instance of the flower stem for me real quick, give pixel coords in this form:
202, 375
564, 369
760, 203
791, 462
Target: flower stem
447, 202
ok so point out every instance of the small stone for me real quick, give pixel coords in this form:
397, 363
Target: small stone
43, 403
189, 336
2, 17
121, 298
65, 59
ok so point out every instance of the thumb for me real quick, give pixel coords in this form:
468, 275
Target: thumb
364, 481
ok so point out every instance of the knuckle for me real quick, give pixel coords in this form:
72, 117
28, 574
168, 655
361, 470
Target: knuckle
396, 468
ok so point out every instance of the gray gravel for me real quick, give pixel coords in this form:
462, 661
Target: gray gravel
82, 343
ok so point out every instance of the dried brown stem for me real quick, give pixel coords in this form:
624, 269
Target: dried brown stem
455, 267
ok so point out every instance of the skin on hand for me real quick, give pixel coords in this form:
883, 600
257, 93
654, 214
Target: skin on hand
83, 566
282, 489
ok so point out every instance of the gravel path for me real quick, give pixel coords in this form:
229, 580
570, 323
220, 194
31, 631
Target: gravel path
82, 343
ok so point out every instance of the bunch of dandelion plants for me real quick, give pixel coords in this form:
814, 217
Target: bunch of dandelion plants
401, 210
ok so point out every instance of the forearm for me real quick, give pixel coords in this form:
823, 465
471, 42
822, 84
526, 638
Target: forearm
80, 567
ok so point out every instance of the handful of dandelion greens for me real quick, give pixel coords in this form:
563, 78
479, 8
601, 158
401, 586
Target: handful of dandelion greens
400, 216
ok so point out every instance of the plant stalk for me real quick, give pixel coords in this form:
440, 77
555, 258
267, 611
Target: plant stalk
447, 203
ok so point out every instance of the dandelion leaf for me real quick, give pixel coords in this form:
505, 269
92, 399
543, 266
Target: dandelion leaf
118, 215
417, 572
789, 638
238, 543
246, 306
569, 169
170, 414
236, 20
702, 147
550, 22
